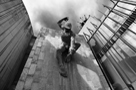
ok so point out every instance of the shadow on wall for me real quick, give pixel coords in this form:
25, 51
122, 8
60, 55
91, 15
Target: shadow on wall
82, 70
87, 73
84, 61
86, 68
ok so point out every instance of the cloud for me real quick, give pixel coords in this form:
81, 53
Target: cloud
48, 12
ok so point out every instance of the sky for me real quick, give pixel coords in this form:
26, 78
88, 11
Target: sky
46, 13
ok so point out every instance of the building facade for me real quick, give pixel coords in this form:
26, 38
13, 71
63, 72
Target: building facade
15, 34
112, 40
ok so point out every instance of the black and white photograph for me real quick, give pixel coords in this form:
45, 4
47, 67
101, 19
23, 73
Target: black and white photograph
67, 44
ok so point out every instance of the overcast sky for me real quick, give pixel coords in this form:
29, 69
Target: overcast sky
47, 12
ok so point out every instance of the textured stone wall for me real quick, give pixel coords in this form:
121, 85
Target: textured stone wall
29, 77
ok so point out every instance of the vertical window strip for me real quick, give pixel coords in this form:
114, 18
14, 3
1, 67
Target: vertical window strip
118, 67
124, 47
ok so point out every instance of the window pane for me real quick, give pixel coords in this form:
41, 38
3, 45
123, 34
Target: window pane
113, 55
116, 54
102, 38
98, 40
107, 33
133, 27
112, 24
125, 48
120, 51
130, 38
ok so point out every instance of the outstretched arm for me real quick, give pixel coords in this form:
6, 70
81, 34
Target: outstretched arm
72, 44
71, 49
